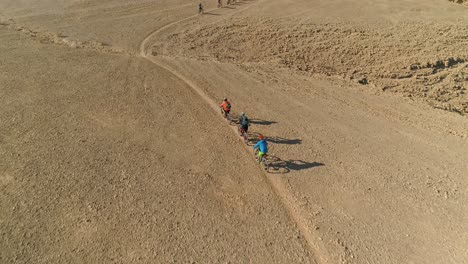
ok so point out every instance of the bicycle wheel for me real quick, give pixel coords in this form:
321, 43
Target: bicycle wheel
264, 164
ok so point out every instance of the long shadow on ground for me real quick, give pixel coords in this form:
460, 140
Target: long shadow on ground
254, 121
211, 14
280, 140
277, 140
262, 122
279, 166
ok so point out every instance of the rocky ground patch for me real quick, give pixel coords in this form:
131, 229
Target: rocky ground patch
465, 2
426, 60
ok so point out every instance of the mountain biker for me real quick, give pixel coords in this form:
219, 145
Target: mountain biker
226, 107
244, 122
262, 146
220, 4
200, 8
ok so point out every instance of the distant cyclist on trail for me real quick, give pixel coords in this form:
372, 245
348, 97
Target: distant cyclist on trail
244, 122
262, 147
220, 4
225, 107
200, 8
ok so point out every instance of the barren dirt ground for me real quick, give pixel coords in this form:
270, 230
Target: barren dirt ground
112, 149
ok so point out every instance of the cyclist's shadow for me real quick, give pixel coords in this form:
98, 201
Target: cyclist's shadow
279, 166
275, 140
280, 140
254, 121
262, 122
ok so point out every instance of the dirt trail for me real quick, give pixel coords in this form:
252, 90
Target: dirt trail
359, 137
280, 190
365, 164
103, 160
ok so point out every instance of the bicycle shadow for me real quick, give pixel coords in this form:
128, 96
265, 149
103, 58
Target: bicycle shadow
280, 140
298, 165
278, 166
254, 121
277, 140
211, 14
262, 122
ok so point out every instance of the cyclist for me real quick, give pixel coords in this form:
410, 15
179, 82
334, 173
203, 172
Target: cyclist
262, 146
220, 4
200, 8
244, 122
225, 107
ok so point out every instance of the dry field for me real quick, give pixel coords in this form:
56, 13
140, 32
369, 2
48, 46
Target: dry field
112, 148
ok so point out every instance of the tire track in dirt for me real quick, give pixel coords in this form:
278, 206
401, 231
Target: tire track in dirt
316, 248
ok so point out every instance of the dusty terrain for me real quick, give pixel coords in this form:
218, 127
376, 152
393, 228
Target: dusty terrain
423, 59
460, 2
112, 149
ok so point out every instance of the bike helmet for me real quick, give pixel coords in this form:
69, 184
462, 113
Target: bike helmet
225, 99
261, 137
242, 114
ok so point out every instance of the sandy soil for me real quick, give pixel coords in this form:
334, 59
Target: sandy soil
460, 2
112, 149
427, 59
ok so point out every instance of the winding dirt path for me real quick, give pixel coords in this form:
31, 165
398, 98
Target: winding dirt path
289, 203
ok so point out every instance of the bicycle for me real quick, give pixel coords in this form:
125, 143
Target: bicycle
226, 115
262, 160
243, 134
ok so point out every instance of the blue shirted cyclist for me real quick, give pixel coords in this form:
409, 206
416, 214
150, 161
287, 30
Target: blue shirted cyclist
262, 146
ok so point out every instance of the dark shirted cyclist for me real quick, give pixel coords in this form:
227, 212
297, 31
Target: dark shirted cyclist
244, 122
